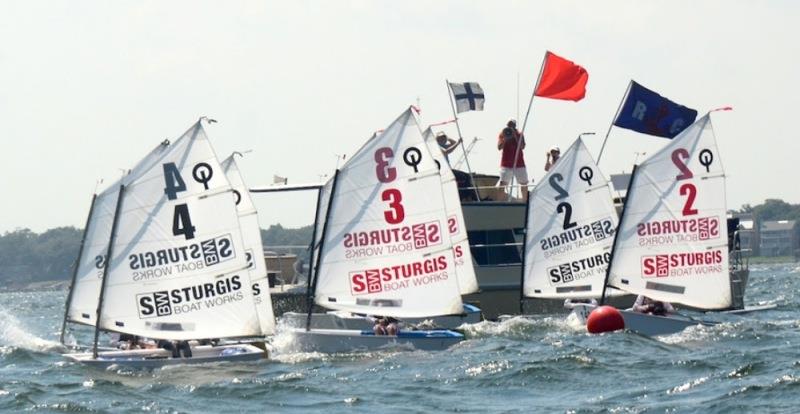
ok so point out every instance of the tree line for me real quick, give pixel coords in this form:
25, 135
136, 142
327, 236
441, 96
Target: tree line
27, 257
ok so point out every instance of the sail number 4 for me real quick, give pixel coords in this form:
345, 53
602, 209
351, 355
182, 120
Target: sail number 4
174, 184
386, 174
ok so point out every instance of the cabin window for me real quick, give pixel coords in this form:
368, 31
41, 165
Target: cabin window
495, 247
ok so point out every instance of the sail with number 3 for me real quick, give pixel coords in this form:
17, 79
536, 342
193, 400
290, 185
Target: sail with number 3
385, 248
177, 267
673, 243
570, 228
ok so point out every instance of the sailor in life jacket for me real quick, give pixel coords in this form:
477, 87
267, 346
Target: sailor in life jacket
644, 304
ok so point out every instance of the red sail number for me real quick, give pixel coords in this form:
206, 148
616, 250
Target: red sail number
690, 191
397, 213
384, 173
679, 158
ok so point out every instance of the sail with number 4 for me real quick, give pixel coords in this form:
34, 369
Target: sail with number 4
385, 248
673, 243
254, 249
467, 281
569, 229
177, 267
85, 289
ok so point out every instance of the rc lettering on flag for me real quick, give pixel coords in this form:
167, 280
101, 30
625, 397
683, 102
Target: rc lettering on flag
468, 96
650, 113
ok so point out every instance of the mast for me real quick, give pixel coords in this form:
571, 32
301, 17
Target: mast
313, 289
524, 244
75, 269
616, 235
109, 251
311, 265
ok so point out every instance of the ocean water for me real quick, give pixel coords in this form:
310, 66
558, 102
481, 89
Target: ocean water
536, 364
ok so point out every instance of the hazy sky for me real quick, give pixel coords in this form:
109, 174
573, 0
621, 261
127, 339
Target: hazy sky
88, 87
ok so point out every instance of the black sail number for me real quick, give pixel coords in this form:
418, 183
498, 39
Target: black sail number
554, 180
563, 207
182, 222
566, 208
174, 184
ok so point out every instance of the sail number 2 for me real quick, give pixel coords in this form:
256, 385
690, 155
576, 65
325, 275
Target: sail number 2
386, 174
688, 190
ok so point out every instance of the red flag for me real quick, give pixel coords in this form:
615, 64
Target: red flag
562, 79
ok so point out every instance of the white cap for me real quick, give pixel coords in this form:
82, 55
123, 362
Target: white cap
511, 120
555, 148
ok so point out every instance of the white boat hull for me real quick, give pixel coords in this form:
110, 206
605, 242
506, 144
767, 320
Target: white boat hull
155, 358
331, 341
643, 323
346, 320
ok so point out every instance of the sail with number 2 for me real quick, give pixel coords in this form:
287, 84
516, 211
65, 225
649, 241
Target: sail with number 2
569, 229
386, 249
178, 268
467, 281
673, 243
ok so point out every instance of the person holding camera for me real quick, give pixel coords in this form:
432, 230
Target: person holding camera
512, 164
552, 156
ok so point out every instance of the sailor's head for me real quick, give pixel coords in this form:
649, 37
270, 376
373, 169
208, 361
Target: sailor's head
554, 150
441, 137
512, 123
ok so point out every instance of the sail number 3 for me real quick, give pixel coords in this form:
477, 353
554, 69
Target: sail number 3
386, 174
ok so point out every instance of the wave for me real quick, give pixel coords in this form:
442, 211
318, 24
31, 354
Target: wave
13, 334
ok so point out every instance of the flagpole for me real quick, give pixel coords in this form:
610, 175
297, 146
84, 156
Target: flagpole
527, 114
461, 140
619, 109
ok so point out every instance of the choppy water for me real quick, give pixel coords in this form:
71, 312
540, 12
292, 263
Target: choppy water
543, 364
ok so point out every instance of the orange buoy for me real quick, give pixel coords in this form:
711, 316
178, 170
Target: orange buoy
605, 319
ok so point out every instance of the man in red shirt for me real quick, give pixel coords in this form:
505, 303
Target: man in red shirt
507, 142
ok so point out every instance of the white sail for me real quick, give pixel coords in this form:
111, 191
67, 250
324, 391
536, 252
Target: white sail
569, 230
254, 250
673, 242
467, 282
85, 290
178, 268
386, 249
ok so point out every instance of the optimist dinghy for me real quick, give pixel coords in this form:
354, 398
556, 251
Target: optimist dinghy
167, 249
672, 242
349, 320
570, 225
382, 244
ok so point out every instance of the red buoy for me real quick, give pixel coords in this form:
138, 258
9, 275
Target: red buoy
605, 319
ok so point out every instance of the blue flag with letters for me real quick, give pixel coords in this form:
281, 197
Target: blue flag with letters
650, 113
